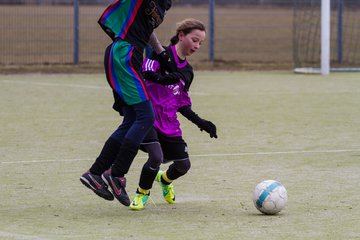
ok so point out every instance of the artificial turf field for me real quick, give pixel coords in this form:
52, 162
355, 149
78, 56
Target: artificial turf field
302, 130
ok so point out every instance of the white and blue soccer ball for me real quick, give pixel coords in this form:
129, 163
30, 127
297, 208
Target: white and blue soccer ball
270, 197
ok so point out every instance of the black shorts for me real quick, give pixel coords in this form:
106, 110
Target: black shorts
174, 148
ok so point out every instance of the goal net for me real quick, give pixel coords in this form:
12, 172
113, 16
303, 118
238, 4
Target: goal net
339, 35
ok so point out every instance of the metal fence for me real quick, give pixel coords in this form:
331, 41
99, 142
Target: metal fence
246, 32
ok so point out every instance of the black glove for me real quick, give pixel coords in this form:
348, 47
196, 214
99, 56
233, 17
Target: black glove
168, 79
208, 127
203, 124
151, 76
166, 4
166, 62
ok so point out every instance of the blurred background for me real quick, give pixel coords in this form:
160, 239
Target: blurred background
241, 34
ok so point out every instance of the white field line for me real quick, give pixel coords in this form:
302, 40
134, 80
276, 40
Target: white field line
84, 86
199, 155
10, 235
74, 85
54, 84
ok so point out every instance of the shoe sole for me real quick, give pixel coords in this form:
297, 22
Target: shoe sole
136, 209
86, 183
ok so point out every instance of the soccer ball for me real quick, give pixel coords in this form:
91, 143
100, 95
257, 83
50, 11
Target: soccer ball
270, 197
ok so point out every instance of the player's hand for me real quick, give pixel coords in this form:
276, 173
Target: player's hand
166, 62
168, 79
208, 127
151, 76
167, 5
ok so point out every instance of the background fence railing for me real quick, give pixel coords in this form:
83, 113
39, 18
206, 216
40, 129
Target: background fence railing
246, 32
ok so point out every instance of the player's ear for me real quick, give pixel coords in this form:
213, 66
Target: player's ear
181, 35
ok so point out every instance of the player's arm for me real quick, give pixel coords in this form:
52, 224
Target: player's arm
168, 79
151, 69
203, 124
155, 44
163, 56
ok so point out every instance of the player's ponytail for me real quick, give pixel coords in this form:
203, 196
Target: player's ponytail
187, 26
174, 40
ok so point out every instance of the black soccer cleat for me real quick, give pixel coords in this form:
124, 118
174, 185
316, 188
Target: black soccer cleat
117, 185
97, 185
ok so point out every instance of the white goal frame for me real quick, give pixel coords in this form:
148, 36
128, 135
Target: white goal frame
325, 37
325, 42
325, 48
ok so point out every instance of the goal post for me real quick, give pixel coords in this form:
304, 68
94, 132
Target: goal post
326, 36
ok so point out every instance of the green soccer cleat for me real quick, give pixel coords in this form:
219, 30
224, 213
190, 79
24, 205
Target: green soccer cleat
138, 203
167, 190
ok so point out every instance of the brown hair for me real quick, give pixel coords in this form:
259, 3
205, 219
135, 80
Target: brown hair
186, 26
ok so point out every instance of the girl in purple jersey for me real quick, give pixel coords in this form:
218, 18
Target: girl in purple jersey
169, 94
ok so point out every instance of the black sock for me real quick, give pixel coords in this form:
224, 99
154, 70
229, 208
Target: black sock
178, 169
106, 158
163, 181
124, 158
147, 177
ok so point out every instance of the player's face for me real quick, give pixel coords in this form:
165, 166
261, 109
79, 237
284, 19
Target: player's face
190, 43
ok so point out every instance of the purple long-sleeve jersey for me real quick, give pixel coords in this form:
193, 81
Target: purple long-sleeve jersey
167, 100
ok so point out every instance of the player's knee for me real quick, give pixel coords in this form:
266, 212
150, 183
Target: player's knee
183, 166
155, 159
155, 154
